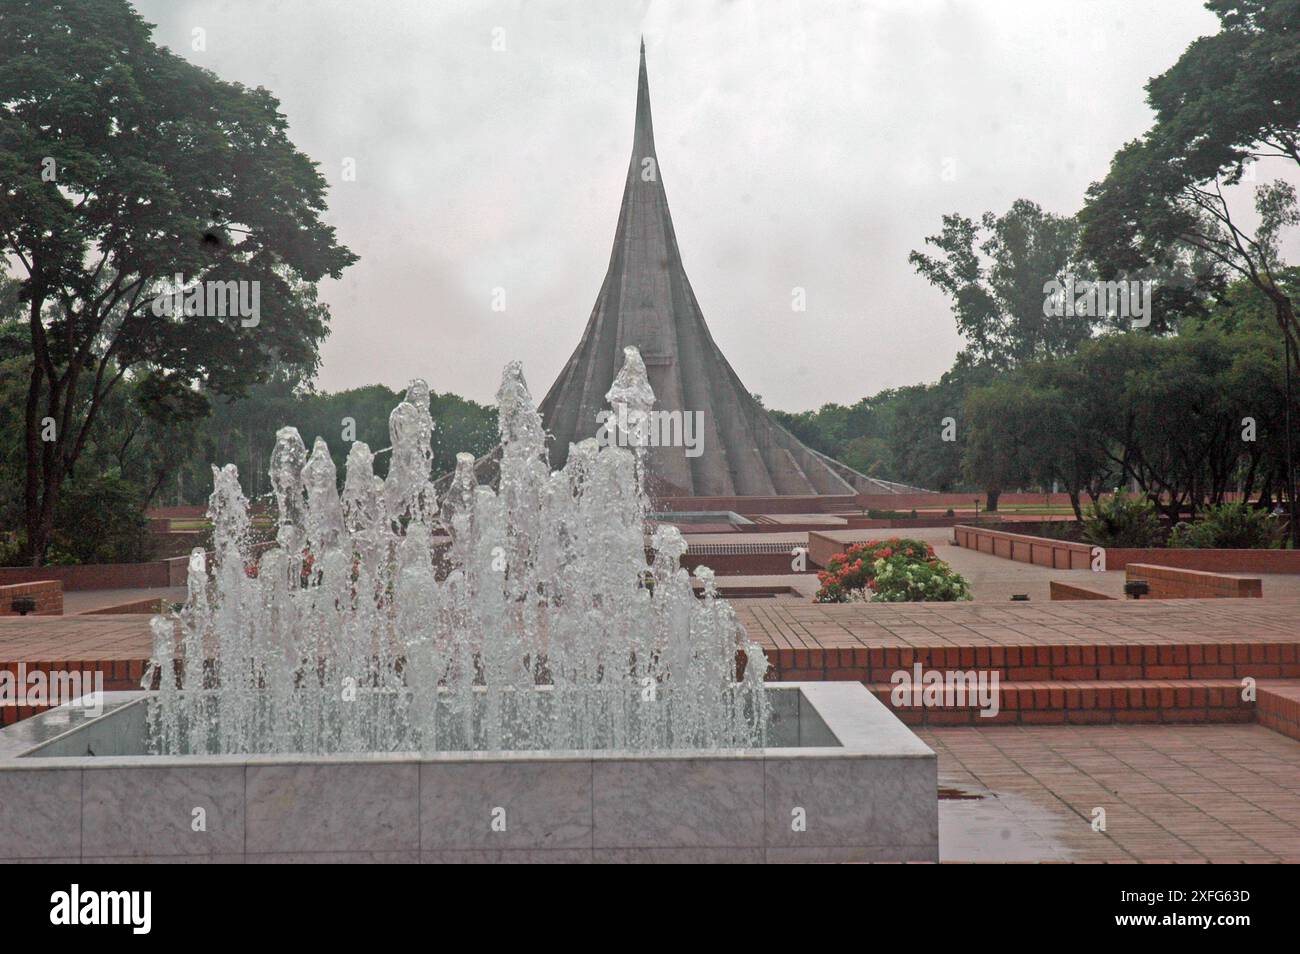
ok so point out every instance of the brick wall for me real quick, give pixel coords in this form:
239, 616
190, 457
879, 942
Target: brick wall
1278, 707
118, 675
1171, 583
741, 564
1065, 555
845, 503
1036, 663
1067, 591
1058, 554
152, 605
1209, 561
94, 576
48, 595
1088, 703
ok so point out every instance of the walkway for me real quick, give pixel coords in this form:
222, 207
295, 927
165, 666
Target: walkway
1169, 793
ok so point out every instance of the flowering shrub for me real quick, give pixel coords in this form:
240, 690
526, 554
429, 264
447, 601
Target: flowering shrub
896, 570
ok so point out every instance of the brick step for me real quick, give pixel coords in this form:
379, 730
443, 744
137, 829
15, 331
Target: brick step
1278, 707
1048, 663
1088, 702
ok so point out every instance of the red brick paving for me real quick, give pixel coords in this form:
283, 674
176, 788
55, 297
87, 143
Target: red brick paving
1170, 793
75, 637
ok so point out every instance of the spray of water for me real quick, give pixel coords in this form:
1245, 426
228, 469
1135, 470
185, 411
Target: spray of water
384, 619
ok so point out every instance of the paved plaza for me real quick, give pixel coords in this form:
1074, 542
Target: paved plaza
1169, 793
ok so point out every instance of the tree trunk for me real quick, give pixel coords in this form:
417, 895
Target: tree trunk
37, 538
1074, 503
992, 500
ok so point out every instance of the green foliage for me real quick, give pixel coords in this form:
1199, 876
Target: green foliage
1165, 203
896, 570
100, 520
1122, 521
1189, 418
242, 432
121, 166
995, 273
908, 581
1230, 526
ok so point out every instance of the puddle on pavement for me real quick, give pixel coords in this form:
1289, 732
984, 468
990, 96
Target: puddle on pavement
976, 824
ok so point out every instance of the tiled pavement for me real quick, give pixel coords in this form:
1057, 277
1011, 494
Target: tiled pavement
74, 638
1170, 793
788, 624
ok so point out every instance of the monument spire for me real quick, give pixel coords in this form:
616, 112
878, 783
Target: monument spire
646, 301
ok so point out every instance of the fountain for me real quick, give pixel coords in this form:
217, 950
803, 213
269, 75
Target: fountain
499, 674
347, 640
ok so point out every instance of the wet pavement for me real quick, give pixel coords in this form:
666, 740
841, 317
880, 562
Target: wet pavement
1168, 793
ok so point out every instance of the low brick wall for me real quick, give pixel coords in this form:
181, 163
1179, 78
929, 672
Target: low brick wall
1278, 707
821, 548
94, 576
118, 675
1209, 660
103, 576
1066, 555
741, 564
822, 503
48, 595
824, 544
150, 606
1170, 583
1068, 591
1088, 703
1058, 554
1209, 561
831, 503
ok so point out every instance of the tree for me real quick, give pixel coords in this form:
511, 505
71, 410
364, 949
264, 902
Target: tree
1001, 435
122, 165
1231, 99
995, 273
242, 432
928, 431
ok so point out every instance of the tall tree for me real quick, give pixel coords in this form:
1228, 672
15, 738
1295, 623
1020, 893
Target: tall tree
1231, 100
995, 272
122, 165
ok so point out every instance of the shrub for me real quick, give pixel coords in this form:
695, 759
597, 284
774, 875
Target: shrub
1230, 526
894, 570
907, 581
1122, 521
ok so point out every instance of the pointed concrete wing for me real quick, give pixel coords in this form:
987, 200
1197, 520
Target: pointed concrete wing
647, 301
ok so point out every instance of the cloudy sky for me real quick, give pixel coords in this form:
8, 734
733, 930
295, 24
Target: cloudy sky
802, 144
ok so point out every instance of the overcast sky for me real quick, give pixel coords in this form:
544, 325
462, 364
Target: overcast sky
800, 144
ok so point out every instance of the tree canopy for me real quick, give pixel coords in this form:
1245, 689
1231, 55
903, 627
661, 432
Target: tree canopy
123, 165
